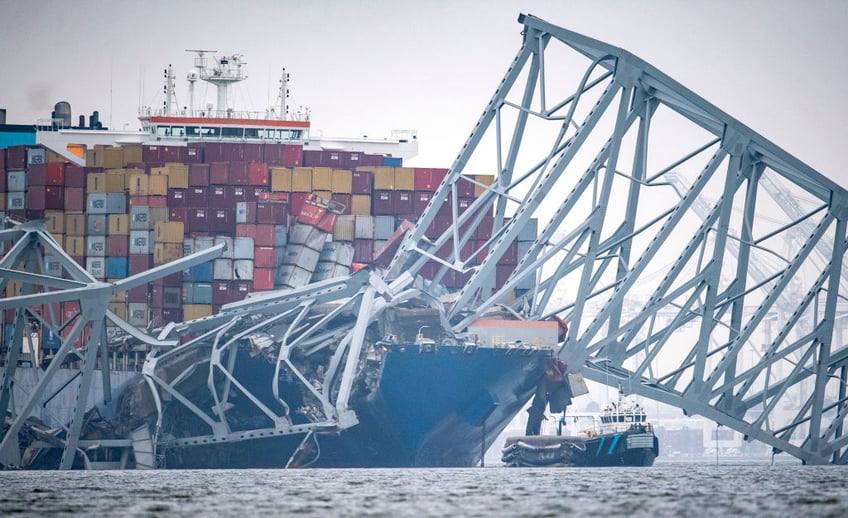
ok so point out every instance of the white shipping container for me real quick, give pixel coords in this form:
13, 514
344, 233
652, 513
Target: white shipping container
243, 248
203, 243
241, 212
95, 246
137, 314
16, 201
344, 256
291, 276
281, 235
363, 227
52, 266
489, 332
16, 181
96, 266
188, 246
302, 256
243, 269
384, 227
222, 269
228, 252
308, 235
140, 218
141, 241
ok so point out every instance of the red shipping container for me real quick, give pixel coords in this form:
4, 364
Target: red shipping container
172, 314
175, 280
177, 198
362, 182
75, 176
484, 230
173, 154
139, 201
197, 197
221, 292
251, 152
56, 173
254, 193
36, 175
263, 279
240, 289
40, 197
193, 154
438, 227
344, 200
313, 158
296, 201
117, 246
264, 257
199, 220
292, 155
213, 152
198, 175
333, 159
351, 159
33, 214
264, 236
218, 173
420, 200
273, 213
427, 178
310, 212
181, 214
137, 294
2, 160
139, 263
327, 222
222, 221
151, 153
79, 259
372, 160
272, 154
402, 204
246, 230
16, 157
464, 187
363, 250
257, 173
74, 199
233, 195
216, 197
157, 201
381, 203
157, 296
238, 173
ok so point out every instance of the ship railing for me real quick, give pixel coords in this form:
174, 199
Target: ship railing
227, 114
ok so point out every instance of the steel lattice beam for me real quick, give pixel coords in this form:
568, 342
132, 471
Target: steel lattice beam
695, 262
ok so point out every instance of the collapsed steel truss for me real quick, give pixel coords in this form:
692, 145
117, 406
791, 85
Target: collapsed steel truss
695, 262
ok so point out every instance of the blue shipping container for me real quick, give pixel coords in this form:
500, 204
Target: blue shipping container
49, 340
199, 273
392, 161
8, 329
116, 267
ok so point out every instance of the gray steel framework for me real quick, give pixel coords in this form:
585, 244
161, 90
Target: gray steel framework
679, 279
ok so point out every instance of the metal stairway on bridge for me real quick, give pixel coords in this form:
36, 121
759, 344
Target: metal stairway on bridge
648, 235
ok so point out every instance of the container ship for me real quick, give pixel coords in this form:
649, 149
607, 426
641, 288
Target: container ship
260, 356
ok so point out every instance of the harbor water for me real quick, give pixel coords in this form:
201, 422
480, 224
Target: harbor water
662, 490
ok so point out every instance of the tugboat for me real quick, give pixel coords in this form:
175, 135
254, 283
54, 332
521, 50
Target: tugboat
619, 436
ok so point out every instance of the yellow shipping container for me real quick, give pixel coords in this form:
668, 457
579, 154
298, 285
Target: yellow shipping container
121, 296
360, 205
95, 182
322, 179
281, 179
113, 158
157, 185
137, 184
75, 224
404, 179
119, 308
302, 179
94, 157
55, 223
342, 181
168, 232
118, 224
485, 179
2, 200
75, 245
53, 157
327, 195
166, 252
384, 178
132, 154
195, 311
116, 180
177, 175
60, 239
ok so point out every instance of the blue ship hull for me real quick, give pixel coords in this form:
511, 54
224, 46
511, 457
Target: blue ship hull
432, 406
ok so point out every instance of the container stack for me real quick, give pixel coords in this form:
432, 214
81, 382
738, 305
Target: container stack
287, 217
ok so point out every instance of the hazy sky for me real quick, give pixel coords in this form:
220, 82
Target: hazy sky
367, 67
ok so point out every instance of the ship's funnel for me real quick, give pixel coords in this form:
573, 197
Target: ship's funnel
62, 113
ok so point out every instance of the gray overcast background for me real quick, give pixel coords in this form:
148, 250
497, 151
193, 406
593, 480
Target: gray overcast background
367, 67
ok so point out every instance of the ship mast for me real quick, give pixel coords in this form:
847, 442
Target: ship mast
226, 71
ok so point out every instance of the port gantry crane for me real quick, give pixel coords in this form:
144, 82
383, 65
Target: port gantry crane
631, 209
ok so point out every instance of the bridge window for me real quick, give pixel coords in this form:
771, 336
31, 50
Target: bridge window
251, 132
232, 132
